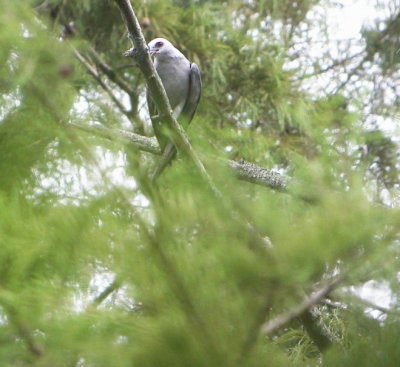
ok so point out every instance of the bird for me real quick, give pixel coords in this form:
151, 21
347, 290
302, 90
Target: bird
182, 83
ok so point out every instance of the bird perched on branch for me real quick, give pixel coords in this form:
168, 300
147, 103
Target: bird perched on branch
182, 83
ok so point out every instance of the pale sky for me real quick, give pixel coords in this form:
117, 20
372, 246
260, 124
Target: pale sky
346, 20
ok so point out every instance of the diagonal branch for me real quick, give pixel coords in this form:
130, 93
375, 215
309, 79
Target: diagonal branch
93, 72
70, 31
157, 90
113, 286
117, 80
302, 311
111, 74
27, 336
23, 329
312, 300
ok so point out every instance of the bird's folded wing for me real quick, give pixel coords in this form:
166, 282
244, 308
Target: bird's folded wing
193, 97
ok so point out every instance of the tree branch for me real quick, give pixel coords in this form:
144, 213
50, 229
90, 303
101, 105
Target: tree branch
93, 72
280, 321
120, 82
111, 74
144, 143
336, 63
23, 329
303, 312
250, 172
113, 286
244, 171
27, 335
70, 31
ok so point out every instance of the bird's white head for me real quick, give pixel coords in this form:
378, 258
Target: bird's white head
160, 47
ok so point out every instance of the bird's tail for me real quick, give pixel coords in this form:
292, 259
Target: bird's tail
166, 158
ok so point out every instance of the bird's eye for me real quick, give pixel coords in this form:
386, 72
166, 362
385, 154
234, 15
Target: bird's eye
159, 44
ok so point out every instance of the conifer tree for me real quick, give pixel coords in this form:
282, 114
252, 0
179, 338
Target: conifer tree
279, 252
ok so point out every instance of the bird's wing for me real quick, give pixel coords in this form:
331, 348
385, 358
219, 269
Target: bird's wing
193, 97
186, 116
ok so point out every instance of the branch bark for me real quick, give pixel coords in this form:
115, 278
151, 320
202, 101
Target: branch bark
250, 172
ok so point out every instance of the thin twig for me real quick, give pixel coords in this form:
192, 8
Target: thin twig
349, 75
113, 286
337, 63
111, 74
93, 72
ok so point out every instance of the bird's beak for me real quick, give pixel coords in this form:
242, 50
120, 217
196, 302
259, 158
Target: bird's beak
152, 51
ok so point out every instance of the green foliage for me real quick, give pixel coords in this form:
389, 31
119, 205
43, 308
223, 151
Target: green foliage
100, 268
37, 94
383, 352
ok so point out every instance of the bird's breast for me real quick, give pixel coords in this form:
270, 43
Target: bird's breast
174, 75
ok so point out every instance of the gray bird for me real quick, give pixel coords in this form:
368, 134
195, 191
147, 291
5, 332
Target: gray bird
182, 83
